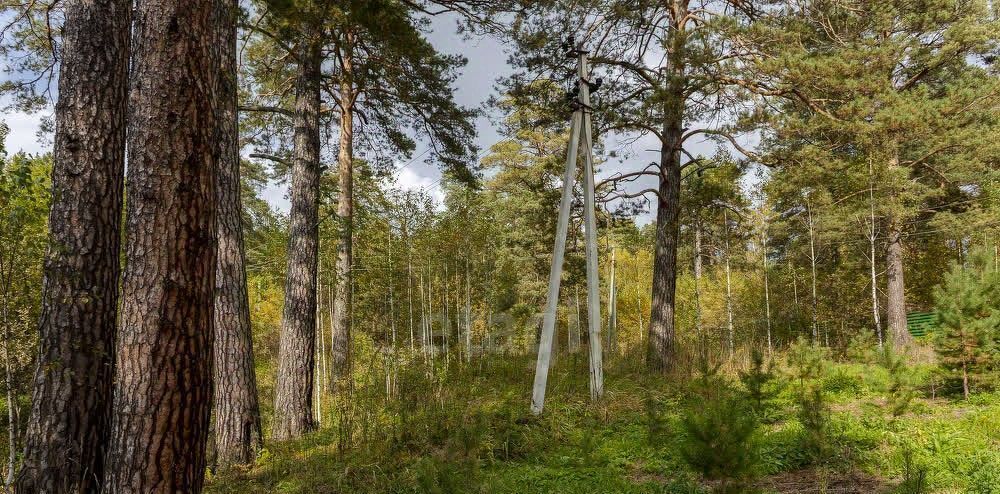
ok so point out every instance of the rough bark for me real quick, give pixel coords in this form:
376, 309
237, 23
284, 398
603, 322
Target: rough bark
163, 385
896, 294
237, 413
340, 340
661, 323
293, 401
660, 352
69, 424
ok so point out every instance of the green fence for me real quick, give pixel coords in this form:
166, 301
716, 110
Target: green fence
921, 323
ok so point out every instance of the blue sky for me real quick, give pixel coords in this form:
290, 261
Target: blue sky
487, 62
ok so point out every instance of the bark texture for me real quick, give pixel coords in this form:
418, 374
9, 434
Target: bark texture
69, 421
661, 323
237, 413
340, 341
293, 401
660, 352
163, 384
896, 293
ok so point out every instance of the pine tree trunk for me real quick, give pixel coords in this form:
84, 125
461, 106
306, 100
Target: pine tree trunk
660, 350
69, 423
237, 414
661, 324
341, 340
163, 382
293, 399
896, 297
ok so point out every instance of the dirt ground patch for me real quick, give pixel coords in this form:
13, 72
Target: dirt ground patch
821, 481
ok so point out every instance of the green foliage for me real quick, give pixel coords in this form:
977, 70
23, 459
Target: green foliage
814, 415
984, 473
810, 363
657, 426
720, 431
24, 203
899, 392
914, 475
762, 386
968, 311
862, 348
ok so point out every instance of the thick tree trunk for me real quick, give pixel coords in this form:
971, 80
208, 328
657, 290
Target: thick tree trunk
163, 384
660, 350
340, 341
293, 401
237, 414
70, 423
896, 296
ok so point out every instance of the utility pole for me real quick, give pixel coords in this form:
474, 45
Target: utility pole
581, 134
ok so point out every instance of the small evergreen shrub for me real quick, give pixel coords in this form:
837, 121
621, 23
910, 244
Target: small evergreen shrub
809, 364
968, 309
719, 439
900, 389
914, 474
762, 385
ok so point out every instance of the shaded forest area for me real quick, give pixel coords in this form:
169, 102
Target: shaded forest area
799, 293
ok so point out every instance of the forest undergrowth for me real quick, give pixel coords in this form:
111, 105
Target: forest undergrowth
802, 421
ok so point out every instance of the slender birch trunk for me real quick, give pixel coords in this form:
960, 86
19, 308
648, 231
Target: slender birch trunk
468, 312
697, 276
729, 288
872, 235
767, 290
812, 260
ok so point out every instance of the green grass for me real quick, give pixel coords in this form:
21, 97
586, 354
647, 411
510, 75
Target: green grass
468, 430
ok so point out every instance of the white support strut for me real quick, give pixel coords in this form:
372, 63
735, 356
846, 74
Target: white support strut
580, 124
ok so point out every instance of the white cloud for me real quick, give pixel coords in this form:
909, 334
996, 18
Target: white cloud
410, 179
24, 133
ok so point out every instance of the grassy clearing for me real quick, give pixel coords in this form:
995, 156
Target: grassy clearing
475, 435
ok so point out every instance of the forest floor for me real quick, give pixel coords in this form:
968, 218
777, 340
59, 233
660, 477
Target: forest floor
470, 431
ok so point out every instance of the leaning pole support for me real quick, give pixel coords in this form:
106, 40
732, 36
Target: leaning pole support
581, 135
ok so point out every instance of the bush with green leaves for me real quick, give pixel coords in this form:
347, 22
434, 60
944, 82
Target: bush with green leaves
984, 473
